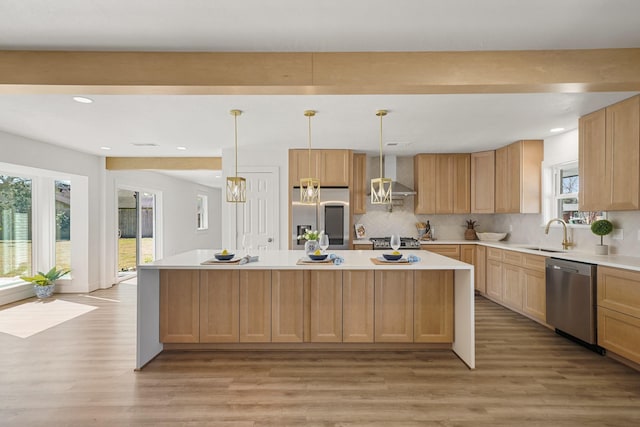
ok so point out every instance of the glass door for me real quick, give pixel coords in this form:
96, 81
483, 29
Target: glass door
136, 231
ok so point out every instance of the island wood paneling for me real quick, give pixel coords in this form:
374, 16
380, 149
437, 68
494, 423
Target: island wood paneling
219, 306
287, 305
179, 306
393, 306
326, 306
255, 305
357, 305
433, 306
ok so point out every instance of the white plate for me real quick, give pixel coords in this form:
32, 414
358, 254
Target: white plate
383, 259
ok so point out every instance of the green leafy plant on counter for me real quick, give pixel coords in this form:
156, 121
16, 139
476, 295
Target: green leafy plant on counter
601, 228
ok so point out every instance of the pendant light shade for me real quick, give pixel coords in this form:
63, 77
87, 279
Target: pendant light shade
236, 185
309, 187
381, 187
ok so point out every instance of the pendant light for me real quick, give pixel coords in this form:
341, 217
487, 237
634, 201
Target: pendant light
381, 187
309, 187
236, 185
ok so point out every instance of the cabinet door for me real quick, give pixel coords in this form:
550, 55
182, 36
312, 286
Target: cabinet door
357, 306
445, 183
535, 294
179, 306
299, 166
433, 306
468, 254
335, 168
511, 286
219, 305
481, 269
483, 169
461, 183
623, 154
619, 333
530, 183
287, 305
502, 180
514, 176
359, 187
619, 290
494, 279
363, 247
592, 160
393, 306
424, 182
326, 306
451, 251
255, 306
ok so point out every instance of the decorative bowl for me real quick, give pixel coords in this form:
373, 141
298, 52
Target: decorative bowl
320, 257
491, 237
224, 257
392, 257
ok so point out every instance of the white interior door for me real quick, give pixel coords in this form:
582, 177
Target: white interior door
258, 217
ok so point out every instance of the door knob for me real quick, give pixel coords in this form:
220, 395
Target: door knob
270, 239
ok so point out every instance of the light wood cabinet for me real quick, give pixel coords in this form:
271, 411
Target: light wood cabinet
468, 254
481, 269
359, 187
219, 306
442, 183
393, 306
610, 164
518, 177
363, 247
494, 279
331, 167
619, 311
287, 305
255, 306
433, 306
179, 306
535, 293
326, 306
483, 166
451, 251
357, 305
511, 286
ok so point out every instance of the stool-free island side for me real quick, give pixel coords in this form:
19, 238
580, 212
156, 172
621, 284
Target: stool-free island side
279, 304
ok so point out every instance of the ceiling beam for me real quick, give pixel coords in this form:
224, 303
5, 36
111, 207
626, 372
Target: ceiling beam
591, 70
164, 163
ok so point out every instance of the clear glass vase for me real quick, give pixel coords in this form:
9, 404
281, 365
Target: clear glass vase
310, 246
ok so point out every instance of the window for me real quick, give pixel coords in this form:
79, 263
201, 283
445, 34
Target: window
566, 183
202, 216
15, 228
62, 195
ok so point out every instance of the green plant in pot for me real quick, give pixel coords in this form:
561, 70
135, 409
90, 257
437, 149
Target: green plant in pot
601, 228
44, 283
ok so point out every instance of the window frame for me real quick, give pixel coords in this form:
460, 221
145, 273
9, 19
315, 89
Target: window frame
202, 209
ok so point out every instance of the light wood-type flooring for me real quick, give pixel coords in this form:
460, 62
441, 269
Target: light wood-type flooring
80, 373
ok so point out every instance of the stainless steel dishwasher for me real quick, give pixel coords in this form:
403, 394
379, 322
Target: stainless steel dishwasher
571, 300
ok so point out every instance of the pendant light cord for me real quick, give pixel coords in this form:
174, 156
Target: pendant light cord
309, 144
381, 174
235, 124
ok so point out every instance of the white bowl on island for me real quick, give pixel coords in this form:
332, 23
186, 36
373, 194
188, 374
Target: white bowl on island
491, 237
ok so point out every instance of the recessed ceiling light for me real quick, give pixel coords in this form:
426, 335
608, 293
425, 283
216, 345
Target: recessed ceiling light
105, 148
181, 148
556, 130
82, 99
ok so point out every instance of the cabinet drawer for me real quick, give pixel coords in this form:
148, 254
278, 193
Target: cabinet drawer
363, 247
619, 290
619, 333
451, 251
533, 262
512, 257
494, 253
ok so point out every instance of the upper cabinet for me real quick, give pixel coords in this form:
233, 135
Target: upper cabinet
609, 158
442, 183
483, 167
331, 167
518, 175
359, 187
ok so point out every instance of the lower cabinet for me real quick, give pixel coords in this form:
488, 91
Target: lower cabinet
179, 299
357, 306
433, 306
255, 305
219, 306
494, 279
451, 251
511, 286
287, 306
326, 306
619, 311
393, 306
535, 294
480, 265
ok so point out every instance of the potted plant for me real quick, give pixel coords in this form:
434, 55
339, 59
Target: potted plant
470, 232
44, 283
601, 228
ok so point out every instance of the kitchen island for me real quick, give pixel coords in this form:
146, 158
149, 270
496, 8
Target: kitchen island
279, 304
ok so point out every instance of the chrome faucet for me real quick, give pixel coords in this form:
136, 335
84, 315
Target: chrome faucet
565, 243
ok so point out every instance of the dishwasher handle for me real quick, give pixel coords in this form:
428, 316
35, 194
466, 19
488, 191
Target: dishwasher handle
568, 270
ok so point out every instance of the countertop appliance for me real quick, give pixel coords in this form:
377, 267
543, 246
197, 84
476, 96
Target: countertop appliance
571, 300
330, 215
385, 243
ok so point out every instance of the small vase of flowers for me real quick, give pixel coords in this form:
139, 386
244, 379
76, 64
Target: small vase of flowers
311, 238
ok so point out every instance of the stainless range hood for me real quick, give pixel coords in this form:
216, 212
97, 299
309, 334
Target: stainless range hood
390, 171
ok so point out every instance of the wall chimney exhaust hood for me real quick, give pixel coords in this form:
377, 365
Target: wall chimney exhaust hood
390, 171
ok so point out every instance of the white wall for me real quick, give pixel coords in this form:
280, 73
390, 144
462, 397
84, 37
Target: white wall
177, 210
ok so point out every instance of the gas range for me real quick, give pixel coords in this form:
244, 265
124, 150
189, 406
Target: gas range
385, 243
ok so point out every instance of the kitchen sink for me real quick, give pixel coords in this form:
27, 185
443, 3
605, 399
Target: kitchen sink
539, 249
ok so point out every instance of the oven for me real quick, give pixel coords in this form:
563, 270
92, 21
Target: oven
330, 215
384, 243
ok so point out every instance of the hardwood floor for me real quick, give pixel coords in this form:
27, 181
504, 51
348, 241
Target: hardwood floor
80, 373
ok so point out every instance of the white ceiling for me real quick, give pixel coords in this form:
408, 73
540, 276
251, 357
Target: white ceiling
434, 123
